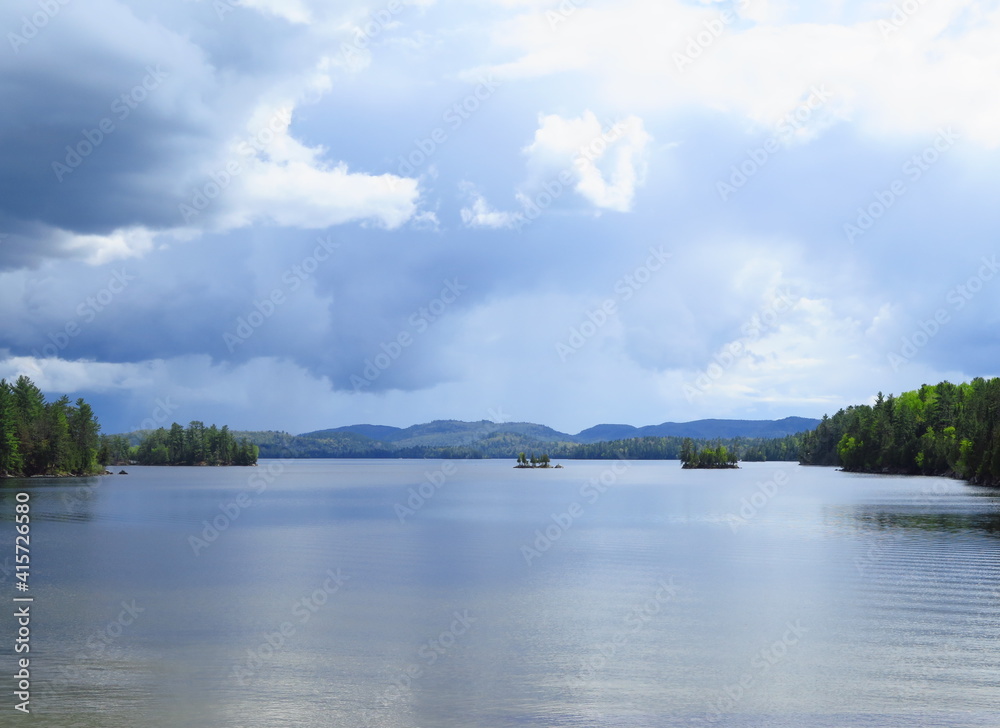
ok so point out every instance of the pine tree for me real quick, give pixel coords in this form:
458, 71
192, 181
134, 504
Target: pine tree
175, 443
29, 411
57, 439
10, 451
84, 438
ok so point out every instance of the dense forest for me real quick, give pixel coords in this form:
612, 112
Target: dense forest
942, 429
195, 445
509, 445
45, 438
749, 449
63, 438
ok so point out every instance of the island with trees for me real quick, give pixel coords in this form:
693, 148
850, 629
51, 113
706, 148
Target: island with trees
194, 445
716, 458
543, 461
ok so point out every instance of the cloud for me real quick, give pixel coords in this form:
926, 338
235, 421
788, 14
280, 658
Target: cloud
481, 215
124, 243
152, 129
306, 234
603, 164
609, 162
291, 10
890, 71
178, 389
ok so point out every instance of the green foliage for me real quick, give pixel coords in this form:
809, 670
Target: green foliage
10, 449
936, 430
542, 461
114, 450
755, 449
84, 435
718, 456
503, 444
196, 445
45, 438
688, 451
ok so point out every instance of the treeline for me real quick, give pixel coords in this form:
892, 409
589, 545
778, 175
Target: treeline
45, 438
748, 449
344, 445
509, 445
194, 445
351, 445
942, 429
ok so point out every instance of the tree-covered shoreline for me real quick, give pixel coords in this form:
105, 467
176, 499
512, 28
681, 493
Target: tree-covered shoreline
37, 437
944, 429
506, 445
194, 445
62, 439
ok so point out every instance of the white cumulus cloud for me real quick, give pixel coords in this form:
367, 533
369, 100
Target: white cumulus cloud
607, 160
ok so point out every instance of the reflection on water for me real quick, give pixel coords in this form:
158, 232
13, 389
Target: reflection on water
769, 596
875, 519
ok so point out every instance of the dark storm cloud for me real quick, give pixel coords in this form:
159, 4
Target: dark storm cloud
248, 304
113, 115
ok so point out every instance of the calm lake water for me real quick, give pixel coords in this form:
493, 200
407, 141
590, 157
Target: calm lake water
328, 593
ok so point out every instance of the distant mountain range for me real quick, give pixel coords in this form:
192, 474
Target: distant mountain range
702, 429
451, 433
751, 439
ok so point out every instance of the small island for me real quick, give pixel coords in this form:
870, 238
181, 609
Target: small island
717, 458
194, 445
524, 461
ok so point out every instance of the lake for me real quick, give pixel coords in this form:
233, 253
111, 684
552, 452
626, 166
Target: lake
469, 593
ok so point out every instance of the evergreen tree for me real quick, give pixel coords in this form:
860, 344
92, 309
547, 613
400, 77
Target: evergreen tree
38, 438
175, 443
688, 451
29, 412
938, 429
10, 450
194, 442
84, 438
193, 446
114, 450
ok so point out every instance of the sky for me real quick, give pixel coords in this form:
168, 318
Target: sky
295, 214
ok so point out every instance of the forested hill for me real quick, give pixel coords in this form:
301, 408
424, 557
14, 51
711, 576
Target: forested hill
942, 429
450, 439
701, 429
455, 432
